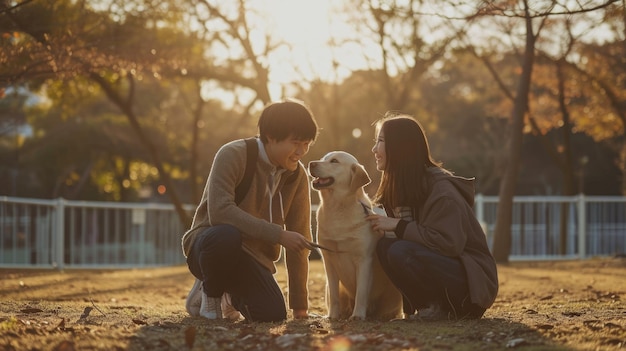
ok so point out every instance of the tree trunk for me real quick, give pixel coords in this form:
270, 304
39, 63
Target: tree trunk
502, 235
568, 164
126, 108
196, 188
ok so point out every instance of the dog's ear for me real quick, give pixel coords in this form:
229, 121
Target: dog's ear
360, 178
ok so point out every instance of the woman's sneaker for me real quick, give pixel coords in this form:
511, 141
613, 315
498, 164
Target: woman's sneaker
211, 307
194, 299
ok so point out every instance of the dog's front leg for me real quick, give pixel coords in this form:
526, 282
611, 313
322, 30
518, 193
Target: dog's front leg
363, 288
332, 291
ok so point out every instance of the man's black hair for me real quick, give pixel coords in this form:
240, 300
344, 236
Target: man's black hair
280, 120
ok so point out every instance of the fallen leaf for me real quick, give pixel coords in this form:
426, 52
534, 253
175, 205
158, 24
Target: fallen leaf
287, 340
515, 343
190, 336
86, 312
249, 336
33, 331
357, 338
545, 326
593, 324
318, 328
612, 325
65, 346
614, 342
572, 314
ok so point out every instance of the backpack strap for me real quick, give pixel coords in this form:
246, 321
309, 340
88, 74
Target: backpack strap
252, 152
292, 177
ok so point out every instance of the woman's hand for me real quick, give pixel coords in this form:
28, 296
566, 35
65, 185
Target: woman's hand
382, 224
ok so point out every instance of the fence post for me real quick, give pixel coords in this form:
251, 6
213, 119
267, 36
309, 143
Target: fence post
582, 227
59, 234
479, 204
139, 221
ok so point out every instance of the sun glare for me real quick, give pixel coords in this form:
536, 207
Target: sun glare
308, 27
301, 22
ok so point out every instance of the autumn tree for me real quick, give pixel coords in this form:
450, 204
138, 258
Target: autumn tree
117, 46
67, 40
601, 71
534, 19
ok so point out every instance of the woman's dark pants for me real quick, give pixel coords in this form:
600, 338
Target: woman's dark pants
425, 277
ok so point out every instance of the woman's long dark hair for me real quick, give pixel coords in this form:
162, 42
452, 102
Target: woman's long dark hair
404, 180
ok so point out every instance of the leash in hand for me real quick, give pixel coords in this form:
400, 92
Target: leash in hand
316, 245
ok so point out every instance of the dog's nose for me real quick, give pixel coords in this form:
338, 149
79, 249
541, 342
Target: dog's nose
312, 165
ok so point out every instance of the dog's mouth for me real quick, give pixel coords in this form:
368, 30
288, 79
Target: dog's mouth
319, 182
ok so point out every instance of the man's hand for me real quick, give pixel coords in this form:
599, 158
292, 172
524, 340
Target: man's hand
293, 241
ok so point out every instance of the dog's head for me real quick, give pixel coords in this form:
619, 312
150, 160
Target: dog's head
338, 170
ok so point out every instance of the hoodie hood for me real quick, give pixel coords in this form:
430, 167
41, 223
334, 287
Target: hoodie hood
465, 186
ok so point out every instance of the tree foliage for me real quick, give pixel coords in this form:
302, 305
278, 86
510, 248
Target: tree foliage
130, 97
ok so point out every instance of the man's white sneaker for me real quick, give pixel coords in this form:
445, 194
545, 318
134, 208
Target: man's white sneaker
211, 307
194, 299
228, 310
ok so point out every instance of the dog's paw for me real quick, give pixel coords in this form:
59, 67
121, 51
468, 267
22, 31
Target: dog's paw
334, 318
357, 318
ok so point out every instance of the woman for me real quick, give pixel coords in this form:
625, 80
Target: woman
437, 255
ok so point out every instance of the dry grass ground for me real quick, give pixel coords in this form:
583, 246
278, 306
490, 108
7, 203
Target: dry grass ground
573, 305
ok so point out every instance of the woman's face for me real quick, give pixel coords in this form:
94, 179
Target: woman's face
379, 150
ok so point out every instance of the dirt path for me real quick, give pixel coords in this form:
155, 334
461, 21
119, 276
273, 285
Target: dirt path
573, 305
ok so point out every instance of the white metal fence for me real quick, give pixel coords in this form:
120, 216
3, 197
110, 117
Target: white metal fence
560, 227
78, 234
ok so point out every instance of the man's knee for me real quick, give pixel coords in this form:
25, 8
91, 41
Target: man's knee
224, 236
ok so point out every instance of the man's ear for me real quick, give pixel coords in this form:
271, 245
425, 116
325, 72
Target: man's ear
360, 178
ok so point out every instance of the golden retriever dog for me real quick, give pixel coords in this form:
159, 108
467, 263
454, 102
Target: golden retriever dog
356, 285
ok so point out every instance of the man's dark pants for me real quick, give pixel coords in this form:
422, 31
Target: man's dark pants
218, 260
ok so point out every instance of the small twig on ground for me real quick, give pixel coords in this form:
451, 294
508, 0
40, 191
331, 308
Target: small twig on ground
96, 307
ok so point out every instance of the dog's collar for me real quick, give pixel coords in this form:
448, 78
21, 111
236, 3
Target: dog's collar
366, 208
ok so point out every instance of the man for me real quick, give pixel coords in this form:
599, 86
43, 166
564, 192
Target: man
231, 247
